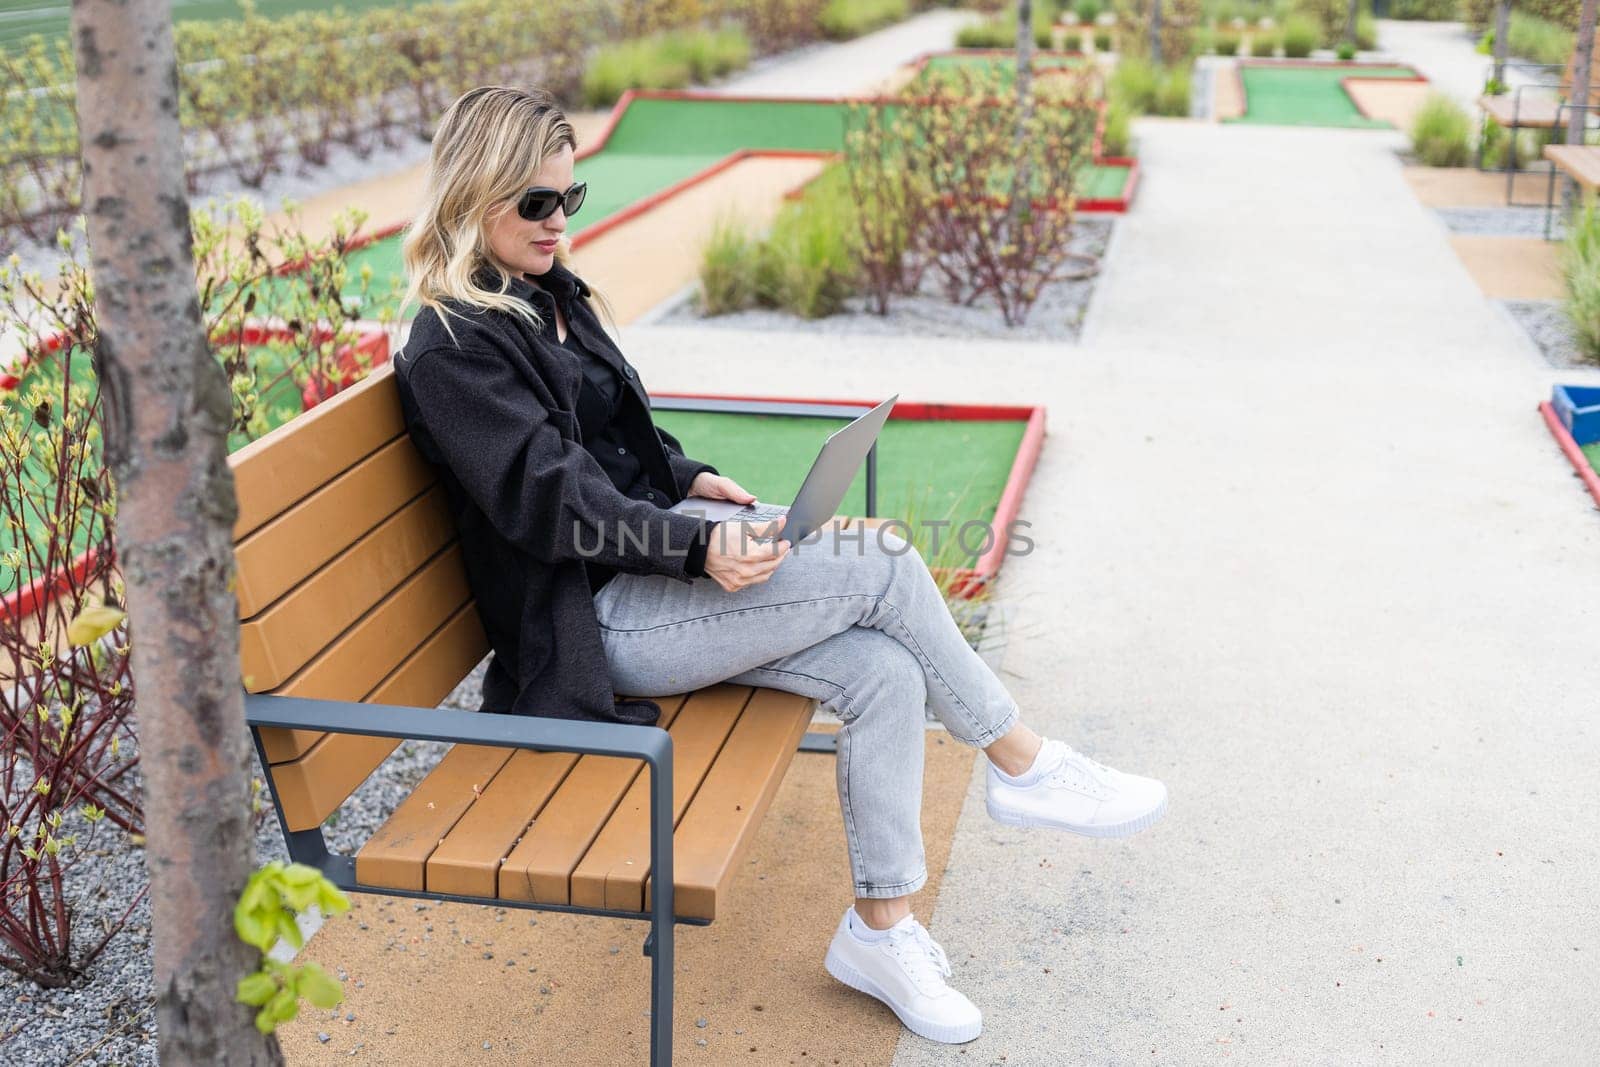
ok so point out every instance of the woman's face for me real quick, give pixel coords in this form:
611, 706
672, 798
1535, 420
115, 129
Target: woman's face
526, 246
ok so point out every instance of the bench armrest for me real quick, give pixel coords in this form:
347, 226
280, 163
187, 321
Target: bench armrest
649, 743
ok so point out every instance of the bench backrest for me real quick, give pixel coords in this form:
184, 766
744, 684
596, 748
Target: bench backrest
350, 583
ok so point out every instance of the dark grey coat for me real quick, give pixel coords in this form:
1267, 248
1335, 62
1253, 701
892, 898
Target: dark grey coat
494, 408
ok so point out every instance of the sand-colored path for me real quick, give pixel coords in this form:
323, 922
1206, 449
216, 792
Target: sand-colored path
457, 984
1395, 102
1512, 268
1470, 187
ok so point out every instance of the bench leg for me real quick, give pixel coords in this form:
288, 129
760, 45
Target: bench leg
660, 945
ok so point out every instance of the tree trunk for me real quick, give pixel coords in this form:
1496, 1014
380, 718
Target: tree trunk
165, 417
1582, 59
1155, 31
1502, 38
1021, 179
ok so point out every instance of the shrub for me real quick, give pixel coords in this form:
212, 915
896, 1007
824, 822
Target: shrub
1102, 41
1300, 37
1263, 43
806, 265
1115, 139
1087, 10
1226, 43
1441, 132
843, 19
1580, 275
709, 54
1497, 143
1145, 89
727, 268
1539, 39
1346, 51
1429, 10
1366, 31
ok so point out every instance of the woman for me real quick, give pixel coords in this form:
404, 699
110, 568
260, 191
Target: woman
587, 585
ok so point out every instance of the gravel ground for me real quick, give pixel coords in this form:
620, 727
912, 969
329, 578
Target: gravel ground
1057, 316
110, 1018
1500, 221
1547, 326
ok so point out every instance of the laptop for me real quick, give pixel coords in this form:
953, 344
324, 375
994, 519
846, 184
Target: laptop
820, 494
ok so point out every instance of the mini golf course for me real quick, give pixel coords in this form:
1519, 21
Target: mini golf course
656, 143
931, 469
1310, 93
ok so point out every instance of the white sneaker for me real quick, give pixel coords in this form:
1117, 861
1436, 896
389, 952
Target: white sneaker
906, 970
1067, 790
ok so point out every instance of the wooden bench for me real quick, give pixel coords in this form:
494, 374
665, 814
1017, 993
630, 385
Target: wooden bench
1547, 110
357, 620
1579, 162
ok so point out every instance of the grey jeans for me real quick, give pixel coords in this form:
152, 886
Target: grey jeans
856, 623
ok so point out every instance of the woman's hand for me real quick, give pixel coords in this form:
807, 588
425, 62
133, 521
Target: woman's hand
744, 553
720, 487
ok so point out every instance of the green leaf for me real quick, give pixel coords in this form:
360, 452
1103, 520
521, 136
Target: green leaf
288, 930
256, 989
253, 928
284, 1006
319, 987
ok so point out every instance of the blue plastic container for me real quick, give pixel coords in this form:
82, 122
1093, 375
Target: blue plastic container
1578, 406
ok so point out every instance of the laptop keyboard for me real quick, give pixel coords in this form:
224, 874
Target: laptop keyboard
759, 511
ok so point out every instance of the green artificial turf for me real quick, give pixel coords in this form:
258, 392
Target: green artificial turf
927, 468
1592, 452
1308, 96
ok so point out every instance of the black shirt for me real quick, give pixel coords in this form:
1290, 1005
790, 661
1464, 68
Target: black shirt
602, 433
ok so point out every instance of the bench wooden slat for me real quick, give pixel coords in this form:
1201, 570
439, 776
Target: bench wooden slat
354, 664
1532, 112
1579, 162
312, 787
612, 871
395, 856
716, 833
467, 861
283, 552
540, 868
284, 637
273, 473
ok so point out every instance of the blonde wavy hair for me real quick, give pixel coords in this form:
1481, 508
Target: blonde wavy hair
487, 149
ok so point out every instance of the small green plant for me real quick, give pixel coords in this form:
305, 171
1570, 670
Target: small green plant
1102, 41
1346, 51
1366, 32
1226, 42
843, 19
1486, 42
807, 264
1263, 43
1300, 36
1114, 139
1441, 132
727, 268
1147, 89
266, 912
1580, 274
1088, 10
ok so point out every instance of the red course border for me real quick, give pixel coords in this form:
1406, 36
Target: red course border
1569, 447
968, 580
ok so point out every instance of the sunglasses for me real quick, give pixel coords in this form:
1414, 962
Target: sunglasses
540, 202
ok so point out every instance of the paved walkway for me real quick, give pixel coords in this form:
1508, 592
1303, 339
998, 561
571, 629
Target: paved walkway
826, 69
1306, 552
